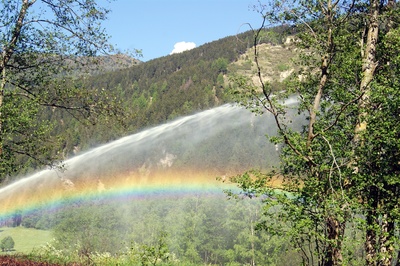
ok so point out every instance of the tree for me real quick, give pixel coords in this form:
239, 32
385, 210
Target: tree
7, 243
377, 153
45, 44
347, 83
157, 253
220, 65
86, 229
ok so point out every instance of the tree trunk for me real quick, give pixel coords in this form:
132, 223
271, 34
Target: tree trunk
335, 231
386, 248
379, 248
253, 259
368, 68
2, 86
324, 73
371, 219
7, 52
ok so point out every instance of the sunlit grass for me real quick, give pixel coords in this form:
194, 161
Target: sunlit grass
25, 239
276, 62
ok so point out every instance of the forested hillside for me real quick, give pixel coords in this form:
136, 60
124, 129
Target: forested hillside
162, 89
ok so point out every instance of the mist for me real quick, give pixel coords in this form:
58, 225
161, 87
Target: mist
146, 183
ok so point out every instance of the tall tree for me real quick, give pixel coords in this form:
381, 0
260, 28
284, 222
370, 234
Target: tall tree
330, 166
377, 133
44, 45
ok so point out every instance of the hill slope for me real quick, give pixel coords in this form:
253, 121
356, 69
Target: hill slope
165, 88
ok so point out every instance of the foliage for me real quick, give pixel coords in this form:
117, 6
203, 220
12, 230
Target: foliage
157, 253
115, 96
188, 230
7, 243
89, 230
159, 90
44, 44
349, 97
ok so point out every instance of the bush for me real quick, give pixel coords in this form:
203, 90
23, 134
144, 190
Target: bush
7, 243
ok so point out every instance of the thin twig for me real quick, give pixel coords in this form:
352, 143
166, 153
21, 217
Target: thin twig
337, 166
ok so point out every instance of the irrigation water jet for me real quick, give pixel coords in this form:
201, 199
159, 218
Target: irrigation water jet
187, 152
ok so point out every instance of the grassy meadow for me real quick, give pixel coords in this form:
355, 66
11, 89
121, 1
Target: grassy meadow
25, 239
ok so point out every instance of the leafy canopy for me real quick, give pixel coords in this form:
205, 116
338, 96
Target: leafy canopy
47, 48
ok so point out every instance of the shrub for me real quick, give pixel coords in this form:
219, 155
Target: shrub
7, 243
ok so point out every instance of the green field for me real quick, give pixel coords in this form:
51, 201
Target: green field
26, 239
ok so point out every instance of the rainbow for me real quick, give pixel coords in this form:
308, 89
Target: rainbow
181, 157
54, 193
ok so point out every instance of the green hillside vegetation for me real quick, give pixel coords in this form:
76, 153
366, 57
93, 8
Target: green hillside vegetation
162, 89
190, 230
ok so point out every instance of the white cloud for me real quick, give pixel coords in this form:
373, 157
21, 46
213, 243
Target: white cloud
179, 47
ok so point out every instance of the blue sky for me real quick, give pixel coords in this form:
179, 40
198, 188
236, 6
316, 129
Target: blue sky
156, 26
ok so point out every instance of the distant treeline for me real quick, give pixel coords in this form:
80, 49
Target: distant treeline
192, 230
